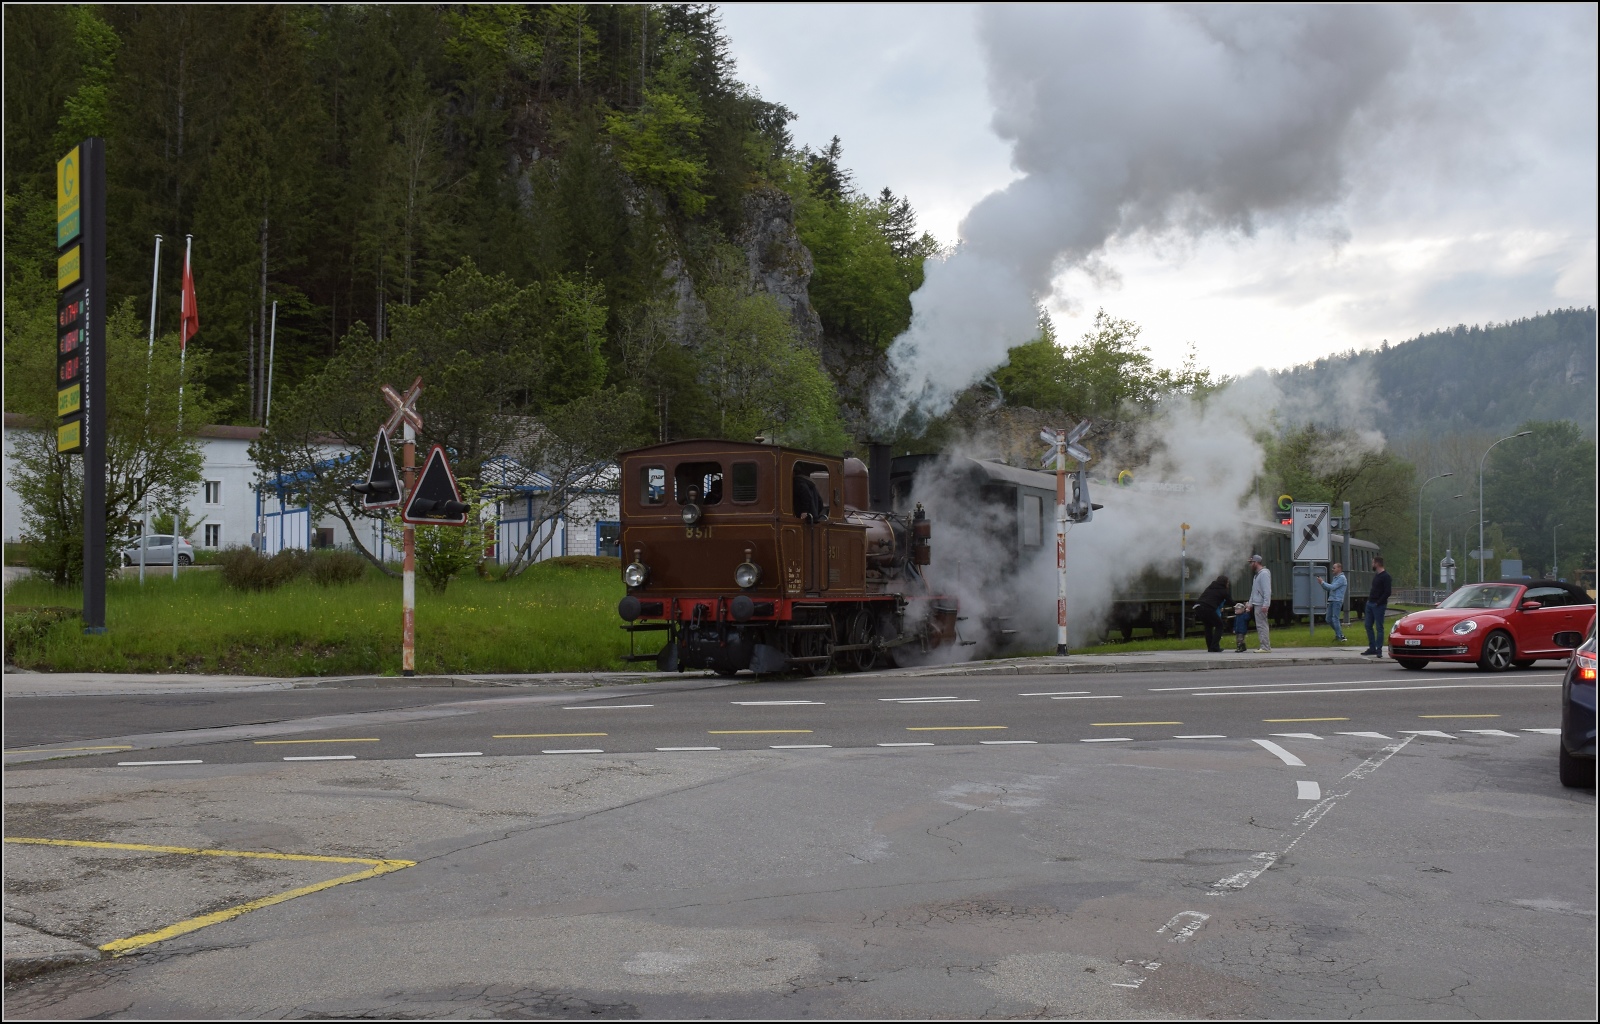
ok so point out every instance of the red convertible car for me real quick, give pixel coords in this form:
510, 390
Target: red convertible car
1497, 625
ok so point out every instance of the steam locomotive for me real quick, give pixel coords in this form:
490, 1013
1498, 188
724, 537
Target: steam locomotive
771, 559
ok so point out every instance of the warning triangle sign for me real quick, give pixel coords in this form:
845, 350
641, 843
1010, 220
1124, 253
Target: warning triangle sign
381, 489
436, 500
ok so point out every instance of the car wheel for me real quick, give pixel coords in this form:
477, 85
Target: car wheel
1522, 662
1498, 652
1414, 664
185, 560
1576, 772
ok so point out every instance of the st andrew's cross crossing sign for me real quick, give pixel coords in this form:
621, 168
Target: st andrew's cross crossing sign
1309, 536
436, 500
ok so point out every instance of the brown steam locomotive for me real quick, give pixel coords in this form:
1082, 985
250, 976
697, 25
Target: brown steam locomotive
772, 559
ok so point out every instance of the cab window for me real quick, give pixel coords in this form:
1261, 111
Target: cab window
698, 482
744, 483
652, 485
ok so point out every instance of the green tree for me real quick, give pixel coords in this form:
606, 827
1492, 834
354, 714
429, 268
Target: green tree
1541, 491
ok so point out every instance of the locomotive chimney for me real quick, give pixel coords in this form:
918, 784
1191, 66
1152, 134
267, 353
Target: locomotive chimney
881, 457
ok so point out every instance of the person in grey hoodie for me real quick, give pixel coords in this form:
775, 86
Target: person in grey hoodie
1336, 589
1261, 601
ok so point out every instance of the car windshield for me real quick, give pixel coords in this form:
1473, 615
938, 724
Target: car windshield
1484, 595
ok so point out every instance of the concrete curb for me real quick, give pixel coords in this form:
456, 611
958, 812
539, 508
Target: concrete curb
30, 952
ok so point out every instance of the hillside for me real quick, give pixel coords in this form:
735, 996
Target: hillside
1477, 379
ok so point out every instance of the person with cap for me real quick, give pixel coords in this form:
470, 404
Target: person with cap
1261, 601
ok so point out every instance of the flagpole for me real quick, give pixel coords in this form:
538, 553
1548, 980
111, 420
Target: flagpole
150, 355
272, 349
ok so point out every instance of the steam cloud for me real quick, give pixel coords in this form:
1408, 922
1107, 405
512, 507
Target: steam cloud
1128, 119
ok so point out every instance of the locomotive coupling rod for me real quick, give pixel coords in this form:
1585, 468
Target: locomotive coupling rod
810, 627
841, 648
810, 659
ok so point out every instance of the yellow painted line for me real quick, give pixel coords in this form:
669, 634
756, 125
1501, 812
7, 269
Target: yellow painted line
375, 866
1458, 716
1305, 719
276, 743
63, 750
951, 728
1135, 723
541, 735
751, 732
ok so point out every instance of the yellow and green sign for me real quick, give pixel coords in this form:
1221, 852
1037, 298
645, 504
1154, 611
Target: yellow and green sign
69, 400
69, 436
69, 267
68, 196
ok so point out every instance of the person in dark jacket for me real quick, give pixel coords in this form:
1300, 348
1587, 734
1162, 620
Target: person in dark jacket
1377, 605
1212, 600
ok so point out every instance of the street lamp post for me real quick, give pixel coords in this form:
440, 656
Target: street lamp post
1424, 487
1481, 463
1555, 573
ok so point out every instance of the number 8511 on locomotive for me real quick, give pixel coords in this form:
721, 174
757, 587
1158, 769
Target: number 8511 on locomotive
772, 559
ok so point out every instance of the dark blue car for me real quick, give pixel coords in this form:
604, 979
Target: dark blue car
1577, 716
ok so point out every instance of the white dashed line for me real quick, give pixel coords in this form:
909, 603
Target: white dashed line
1054, 693
1281, 754
802, 746
1184, 925
1379, 689
673, 749
929, 700
905, 744
1435, 733
1298, 735
1101, 696
1366, 735
1309, 791
1004, 743
1264, 860
454, 753
1491, 732
1202, 736
140, 764
322, 757
602, 707
773, 703
585, 750
1106, 739
1547, 732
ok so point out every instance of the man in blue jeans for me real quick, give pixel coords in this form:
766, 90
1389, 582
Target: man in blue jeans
1336, 588
1377, 604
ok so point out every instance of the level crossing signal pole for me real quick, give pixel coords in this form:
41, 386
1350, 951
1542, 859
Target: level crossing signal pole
1062, 444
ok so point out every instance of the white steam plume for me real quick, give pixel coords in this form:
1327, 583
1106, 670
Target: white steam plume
1137, 118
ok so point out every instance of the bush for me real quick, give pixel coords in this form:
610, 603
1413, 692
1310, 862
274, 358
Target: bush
335, 568
28, 626
244, 569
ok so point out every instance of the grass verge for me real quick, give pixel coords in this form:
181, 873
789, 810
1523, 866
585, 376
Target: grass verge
559, 616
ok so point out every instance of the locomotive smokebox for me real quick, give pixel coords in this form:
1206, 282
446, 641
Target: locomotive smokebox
880, 463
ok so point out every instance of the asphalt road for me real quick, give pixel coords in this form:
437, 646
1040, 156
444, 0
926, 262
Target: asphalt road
1334, 841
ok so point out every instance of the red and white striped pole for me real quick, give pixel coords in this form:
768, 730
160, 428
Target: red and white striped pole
1061, 542
408, 598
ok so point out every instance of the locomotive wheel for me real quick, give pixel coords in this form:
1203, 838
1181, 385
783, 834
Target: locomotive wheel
862, 630
813, 644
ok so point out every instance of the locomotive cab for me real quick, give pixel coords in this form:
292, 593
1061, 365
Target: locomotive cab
756, 556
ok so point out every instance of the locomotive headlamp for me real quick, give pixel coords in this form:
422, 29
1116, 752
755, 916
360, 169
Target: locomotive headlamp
748, 574
691, 514
636, 571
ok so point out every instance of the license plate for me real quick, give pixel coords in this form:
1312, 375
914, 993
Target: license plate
1413, 643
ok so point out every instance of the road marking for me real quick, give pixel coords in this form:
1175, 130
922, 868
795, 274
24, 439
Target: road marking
929, 700
1366, 735
753, 732
64, 750
905, 744
1491, 732
1054, 693
1458, 716
375, 866
1297, 735
952, 728
277, 743
672, 749
902, 699
1305, 719
1309, 791
1202, 736
1106, 739
543, 735
1547, 732
1329, 682
1135, 723
1281, 754
773, 703
453, 753
323, 757
1100, 696
1376, 761
138, 764
803, 746
588, 750
1426, 732
1375, 689
599, 707
1184, 925
1264, 860
1001, 743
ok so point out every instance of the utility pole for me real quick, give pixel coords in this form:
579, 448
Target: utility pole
1481, 463
1183, 582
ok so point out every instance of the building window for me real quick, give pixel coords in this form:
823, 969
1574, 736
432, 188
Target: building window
608, 538
213, 534
213, 492
324, 537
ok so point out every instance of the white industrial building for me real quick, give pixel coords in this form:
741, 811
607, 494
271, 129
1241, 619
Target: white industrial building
235, 503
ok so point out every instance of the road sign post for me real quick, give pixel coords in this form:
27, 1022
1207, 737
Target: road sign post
80, 351
1064, 443
1310, 540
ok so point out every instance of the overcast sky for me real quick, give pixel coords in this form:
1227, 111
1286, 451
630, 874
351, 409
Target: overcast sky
1452, 177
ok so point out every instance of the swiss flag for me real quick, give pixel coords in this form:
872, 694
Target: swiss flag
189, 319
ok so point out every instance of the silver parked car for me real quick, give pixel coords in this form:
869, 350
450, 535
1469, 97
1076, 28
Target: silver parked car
158, 551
